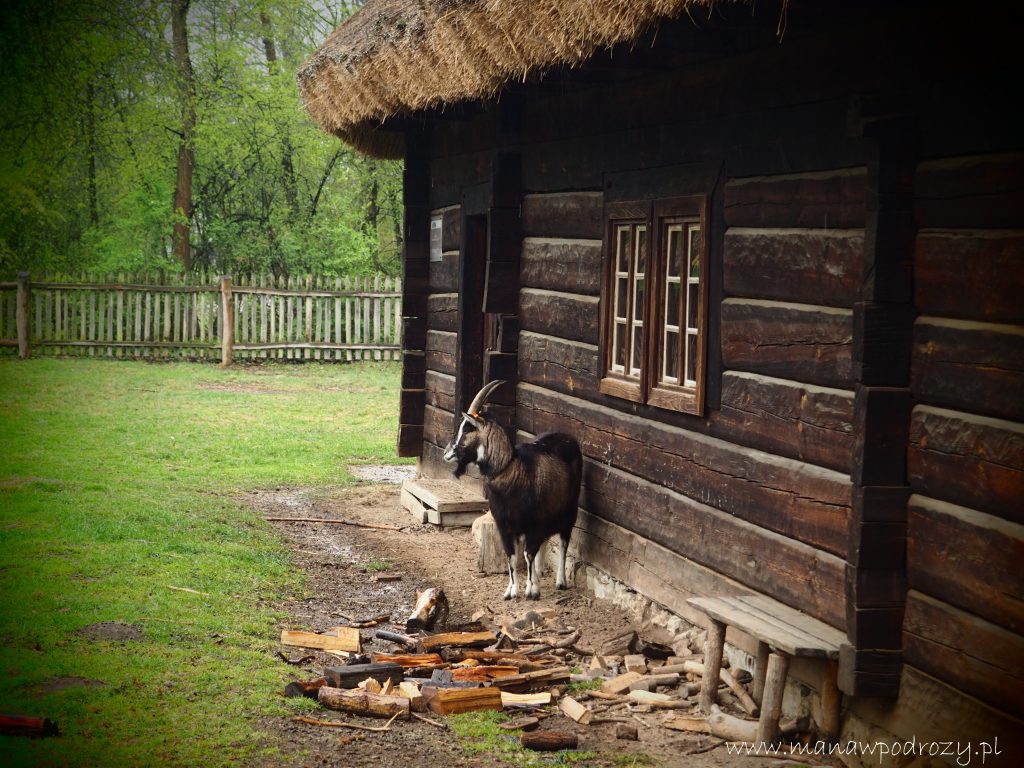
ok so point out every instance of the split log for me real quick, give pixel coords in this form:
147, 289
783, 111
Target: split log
621, 683
548, 741
520, 724
575, 711
512, 700
363, 702
353, 674
309, 689
462, 639
502, 658
622, 645
431, 609
23, 725
726, 677
409, 660
453, 701
411, 691
529, 679
408, 641
342, 639
482, 674
635, 662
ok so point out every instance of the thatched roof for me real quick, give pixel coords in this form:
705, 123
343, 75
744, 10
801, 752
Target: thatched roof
397, 57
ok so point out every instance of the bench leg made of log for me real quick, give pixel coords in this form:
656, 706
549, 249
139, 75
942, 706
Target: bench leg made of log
771, 705
713, 648
830, 700
760, 671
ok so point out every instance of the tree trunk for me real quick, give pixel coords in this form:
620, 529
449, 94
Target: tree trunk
186, 86
287, 165
90, 148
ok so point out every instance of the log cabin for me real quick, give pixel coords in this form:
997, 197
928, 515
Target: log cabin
766, 261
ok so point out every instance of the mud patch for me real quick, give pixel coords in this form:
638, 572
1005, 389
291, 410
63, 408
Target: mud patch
112, 631
383, 473
58, 684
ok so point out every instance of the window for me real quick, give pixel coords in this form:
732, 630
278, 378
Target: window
655, 308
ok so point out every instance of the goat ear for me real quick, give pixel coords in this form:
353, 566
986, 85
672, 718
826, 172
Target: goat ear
475, 421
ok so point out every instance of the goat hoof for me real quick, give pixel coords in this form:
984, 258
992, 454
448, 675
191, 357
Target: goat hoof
561, 586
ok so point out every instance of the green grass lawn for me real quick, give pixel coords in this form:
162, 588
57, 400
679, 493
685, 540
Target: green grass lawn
117, 483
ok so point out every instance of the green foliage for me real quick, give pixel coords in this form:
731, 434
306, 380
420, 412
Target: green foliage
118, 484
89, 136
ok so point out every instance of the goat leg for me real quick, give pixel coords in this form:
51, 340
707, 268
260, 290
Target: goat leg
563, 547
532, 576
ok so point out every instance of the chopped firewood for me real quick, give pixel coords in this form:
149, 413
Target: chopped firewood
670, 704
513, 700
411, 691
575, 711
510, 658
409, 660
597, 663
407, 640
653, 681
453, 701
621, 683
626, 731
482, 674
367, 623
520, 724
480, 615
363, 702
635, 662
647, 697
308, 689
606, 696
726, 677
387, 688
431, 609
548, 741
371, 685
350, 676
622, 645
688, 723
462, 639
537, 679
24, 725
342, 639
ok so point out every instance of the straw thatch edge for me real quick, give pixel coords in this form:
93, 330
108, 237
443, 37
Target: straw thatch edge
397, 57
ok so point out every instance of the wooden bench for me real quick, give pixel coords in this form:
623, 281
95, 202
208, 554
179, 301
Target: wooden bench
782, 633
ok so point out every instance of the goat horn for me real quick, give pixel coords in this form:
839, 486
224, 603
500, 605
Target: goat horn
482, 395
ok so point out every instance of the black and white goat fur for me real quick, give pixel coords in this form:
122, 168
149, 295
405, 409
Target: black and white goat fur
533, 488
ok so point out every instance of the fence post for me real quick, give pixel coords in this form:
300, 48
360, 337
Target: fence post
227, 334
23, 323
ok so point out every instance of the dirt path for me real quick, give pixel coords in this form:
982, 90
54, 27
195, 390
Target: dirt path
343, 564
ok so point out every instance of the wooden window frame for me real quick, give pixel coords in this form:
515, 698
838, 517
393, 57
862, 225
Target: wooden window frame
648, 387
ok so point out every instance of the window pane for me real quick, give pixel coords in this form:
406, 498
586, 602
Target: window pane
692, 305
638, 334
675, 249
638, 299
672, 291
621, 286
619, 348
695, 249
691, 358
641, 249
671, 374
622, 249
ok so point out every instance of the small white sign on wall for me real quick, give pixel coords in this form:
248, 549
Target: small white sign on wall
435, 238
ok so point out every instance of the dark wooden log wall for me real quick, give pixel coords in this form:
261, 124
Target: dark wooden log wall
965, 526
758, 494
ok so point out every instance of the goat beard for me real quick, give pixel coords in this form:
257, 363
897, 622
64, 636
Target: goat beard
460, 467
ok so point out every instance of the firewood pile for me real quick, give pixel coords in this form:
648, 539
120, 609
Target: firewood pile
532, 666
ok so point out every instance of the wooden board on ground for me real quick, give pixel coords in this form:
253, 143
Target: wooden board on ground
343, 639
442, 502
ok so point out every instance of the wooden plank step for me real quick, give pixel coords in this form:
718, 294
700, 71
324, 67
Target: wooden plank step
442, 502
773, 623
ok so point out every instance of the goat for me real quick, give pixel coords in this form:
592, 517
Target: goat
532, 488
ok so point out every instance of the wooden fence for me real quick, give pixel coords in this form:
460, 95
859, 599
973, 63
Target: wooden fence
304, 318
